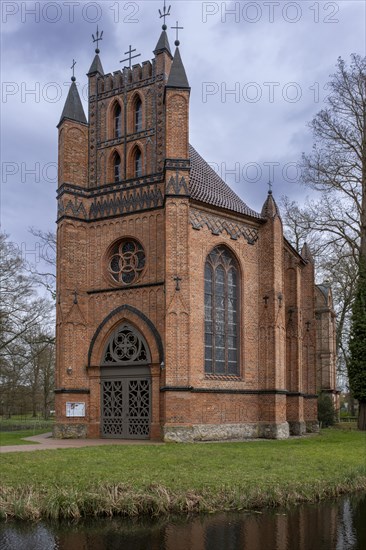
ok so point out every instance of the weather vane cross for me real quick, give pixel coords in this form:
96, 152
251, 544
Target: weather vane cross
164, 15
130, 56
73, 70
97, 38
177, 29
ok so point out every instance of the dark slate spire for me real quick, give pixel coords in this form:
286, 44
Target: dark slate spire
270, 208
73, 109
306, 253
163, 44
96, 66
177, 77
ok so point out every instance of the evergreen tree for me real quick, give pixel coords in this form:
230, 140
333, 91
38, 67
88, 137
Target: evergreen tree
357, 347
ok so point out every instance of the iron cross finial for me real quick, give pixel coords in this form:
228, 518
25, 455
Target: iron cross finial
177, 280
177, 28
98, 37
164, 15
73, 70
130, 56
270, 185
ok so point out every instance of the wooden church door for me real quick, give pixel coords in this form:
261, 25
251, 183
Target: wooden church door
126, 386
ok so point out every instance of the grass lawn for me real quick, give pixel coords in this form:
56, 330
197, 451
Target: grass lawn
132, 480
16, 438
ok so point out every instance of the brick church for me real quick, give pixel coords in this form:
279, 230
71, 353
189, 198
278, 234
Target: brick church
182, 314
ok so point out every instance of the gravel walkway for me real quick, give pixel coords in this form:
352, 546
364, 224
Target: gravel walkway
46, 442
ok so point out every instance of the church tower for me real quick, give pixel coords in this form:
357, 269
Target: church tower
172, 295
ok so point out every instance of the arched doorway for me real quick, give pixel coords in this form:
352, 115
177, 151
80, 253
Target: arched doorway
126, 385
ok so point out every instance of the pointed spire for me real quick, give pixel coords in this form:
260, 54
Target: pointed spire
177, 77
270, 208
73, 108
163, 44
96, 66
306, 253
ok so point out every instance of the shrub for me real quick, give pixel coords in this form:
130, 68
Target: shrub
326, 411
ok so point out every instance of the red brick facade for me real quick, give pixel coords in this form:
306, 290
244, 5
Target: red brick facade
273, 393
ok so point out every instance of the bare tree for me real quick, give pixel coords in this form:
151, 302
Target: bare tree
26, 328
334, 258
337, 168
46, 274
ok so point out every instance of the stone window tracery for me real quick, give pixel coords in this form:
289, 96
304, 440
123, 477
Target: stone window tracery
126, 261
221, 313
126, 346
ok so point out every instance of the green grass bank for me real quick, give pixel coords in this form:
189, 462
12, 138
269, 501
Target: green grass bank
17, 438
181, 478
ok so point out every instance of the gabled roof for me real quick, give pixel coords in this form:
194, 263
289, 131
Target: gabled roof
207, 186
73, 108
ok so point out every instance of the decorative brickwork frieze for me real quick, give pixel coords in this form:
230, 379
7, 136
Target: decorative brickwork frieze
218, 225
123, 203
177, 185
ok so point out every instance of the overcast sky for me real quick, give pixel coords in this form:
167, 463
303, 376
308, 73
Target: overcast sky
257, 70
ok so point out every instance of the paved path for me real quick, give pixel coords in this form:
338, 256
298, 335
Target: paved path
46, 442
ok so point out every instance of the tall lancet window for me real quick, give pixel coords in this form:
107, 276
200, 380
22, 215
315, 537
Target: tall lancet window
138, 115
117, 121
138, 163
116, 167
222, 318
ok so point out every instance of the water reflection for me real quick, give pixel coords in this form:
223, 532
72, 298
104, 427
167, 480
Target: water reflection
337, 525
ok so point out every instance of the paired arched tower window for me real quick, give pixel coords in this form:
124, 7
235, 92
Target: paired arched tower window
117, 121
138, 115
137, 158
116, 167
222, 318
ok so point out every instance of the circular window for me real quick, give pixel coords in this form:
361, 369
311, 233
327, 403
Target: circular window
126, 261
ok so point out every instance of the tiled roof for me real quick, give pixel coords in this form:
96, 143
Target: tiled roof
207, 186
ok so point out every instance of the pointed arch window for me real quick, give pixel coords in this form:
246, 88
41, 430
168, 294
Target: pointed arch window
138, 163
221, 313
116, 167
138, 115
117, 121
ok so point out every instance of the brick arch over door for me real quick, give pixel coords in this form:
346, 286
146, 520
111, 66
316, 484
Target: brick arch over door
129, 314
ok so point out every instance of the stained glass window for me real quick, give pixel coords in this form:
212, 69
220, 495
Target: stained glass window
126, 261
221, 313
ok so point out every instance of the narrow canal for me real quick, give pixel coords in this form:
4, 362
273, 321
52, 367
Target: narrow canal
331, 525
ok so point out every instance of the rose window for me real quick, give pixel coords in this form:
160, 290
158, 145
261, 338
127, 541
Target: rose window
127, 261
